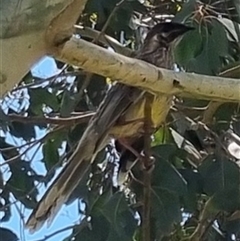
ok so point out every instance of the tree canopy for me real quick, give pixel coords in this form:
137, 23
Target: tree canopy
195, 184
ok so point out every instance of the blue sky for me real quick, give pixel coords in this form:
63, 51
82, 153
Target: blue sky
68, 215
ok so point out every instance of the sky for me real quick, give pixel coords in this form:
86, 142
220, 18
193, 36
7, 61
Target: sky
68, 215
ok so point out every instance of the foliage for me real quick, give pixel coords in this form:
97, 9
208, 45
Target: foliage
195, 185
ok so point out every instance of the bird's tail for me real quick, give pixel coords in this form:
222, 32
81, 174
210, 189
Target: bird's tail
57, 194
63, 186
119, 98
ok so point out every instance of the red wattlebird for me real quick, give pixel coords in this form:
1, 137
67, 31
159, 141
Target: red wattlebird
122, 104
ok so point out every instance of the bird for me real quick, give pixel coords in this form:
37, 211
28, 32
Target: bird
120, 117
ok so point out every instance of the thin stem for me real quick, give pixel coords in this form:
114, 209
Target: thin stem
69, 121
148, 167
57, 232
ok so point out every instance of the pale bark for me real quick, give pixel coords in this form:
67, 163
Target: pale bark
29, 30
23, 24
140, 74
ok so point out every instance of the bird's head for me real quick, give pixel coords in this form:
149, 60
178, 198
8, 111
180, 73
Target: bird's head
157, 46
166, 33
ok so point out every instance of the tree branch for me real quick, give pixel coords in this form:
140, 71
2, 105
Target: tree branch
137, 73
105, 39
82, 118
24, 45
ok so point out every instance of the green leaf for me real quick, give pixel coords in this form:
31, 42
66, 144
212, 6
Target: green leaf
5, 205
223, 116
219, 174
97, 91
22, 130
111, 219
97, 229
97, 202
4, 119
40, 97
50, 153
166, 176
165, 151
227, 199
200, 51
188, 48
161, 136
186, 12
194, 188
165, 210
21, 183
115, 210
76, 133
67, 104
8, 235
114, 206
218, 32
237, 7
168, 187
233, 226
28, 78
236, 125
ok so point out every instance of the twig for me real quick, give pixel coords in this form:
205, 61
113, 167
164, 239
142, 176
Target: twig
106, 39
210, 111
57, 232
51, 79
73, 120
135, 179
11, 148
148, 168
206, 219
49, 134
132, 150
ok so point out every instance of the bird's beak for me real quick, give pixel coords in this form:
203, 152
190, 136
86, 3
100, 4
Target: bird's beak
178, 32
186, 29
